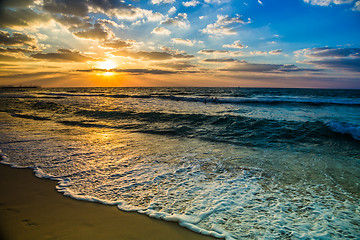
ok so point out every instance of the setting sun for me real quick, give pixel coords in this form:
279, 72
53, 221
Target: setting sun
108, 64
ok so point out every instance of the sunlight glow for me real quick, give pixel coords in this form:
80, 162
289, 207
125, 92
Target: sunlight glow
108, 64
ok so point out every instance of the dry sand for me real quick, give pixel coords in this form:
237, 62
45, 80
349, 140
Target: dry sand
30, 208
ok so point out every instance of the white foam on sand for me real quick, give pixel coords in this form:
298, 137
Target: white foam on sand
224, 203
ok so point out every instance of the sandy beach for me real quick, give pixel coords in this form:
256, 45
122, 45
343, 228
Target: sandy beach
30, 208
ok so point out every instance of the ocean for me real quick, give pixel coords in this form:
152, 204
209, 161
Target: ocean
233, 163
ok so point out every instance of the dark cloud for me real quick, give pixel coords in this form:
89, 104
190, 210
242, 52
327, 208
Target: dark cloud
343, 59
180, 65
219, 60
84, 7
152, 55
7, 58
243, 66
77, 8
22, 17
327, 52
143, 71
15, 3
251, 67
73, 23
15, 50
347, 64
211, 51
15, 39
118, 43
183, 55
137, 71
95, 33
63, 55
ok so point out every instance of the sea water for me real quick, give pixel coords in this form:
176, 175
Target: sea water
233, 163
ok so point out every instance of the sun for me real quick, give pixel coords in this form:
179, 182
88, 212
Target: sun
107, 65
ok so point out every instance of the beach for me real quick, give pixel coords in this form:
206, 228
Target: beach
254, 164
31, 208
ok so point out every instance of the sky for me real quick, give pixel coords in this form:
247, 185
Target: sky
186, 43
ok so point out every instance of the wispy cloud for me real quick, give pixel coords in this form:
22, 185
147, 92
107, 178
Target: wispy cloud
244, 66
63, 55
162, 1
187, 42
327, 2
219, 52
154, 55
118, 43
345, 59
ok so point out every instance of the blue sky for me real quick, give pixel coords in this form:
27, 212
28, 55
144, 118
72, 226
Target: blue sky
251, 43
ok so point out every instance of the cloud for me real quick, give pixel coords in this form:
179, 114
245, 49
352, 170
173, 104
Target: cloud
187, 42
327, 2
111, 8
111, 23
211, 51
272, 52
118, 43
243, 66
162, 1
343, 59
15, 39
77, 8
98, 32
346, 64
15, 50
172, 10
16, 3
178, 65
258, 53
219, 60
157, 56
137, 71
276, 52
7, 58
23, 17
161, 31
180, 21
73, 22
63, 55
143, 71
217, 1
191, 3
356, 6
326, 52
223, 26
236, 44
219, 52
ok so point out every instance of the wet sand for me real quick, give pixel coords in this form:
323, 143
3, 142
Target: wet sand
31, 208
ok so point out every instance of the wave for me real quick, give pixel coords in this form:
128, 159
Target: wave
238, 130
222, 98
345, 128
270, 100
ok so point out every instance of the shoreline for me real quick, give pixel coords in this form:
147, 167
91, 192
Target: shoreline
31, 208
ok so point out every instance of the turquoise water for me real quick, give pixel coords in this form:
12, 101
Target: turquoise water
233, 163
